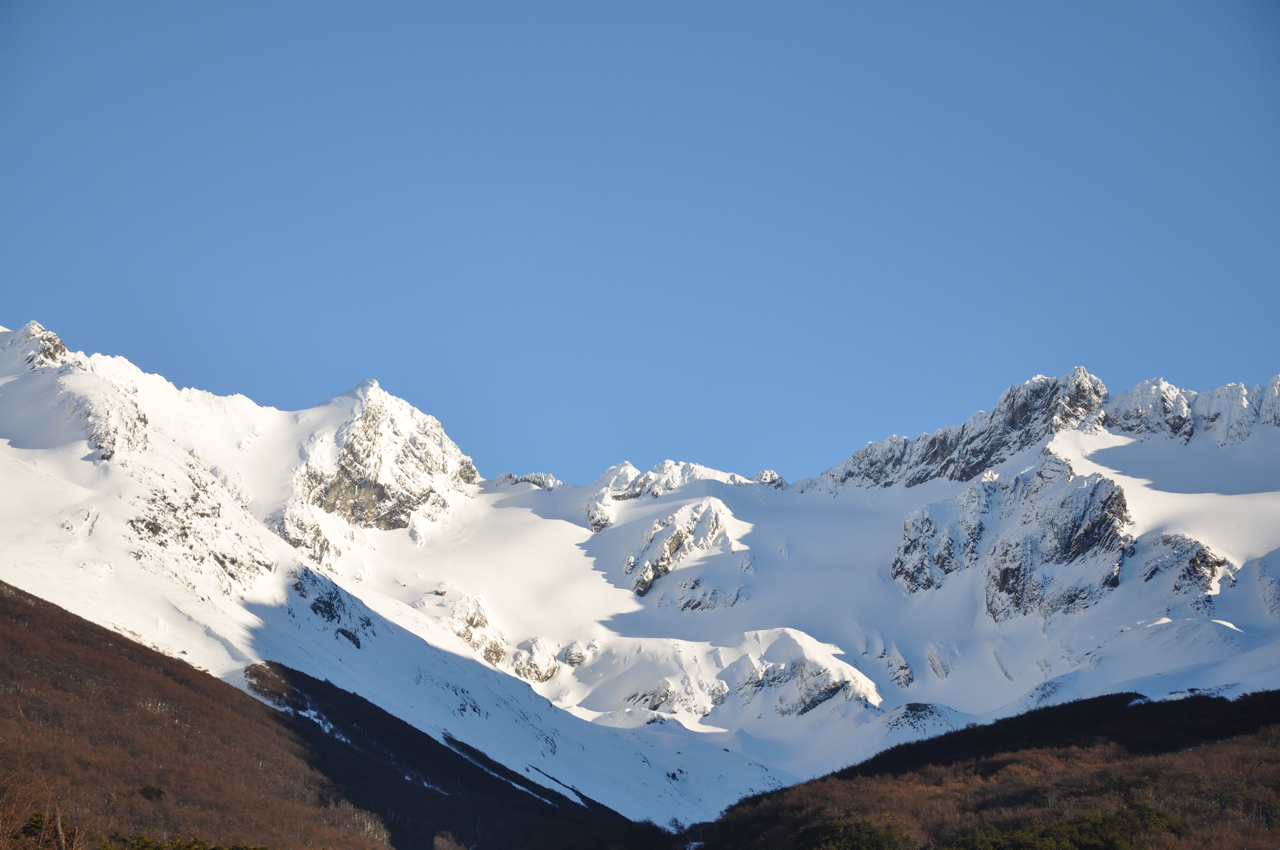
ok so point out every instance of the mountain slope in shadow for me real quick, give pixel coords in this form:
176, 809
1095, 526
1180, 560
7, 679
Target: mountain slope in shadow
105, 724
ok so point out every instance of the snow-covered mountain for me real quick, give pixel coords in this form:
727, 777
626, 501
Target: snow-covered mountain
663, 642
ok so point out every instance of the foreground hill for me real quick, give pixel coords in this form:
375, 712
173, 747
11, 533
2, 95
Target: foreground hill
119, 739
661, 642
1204, 771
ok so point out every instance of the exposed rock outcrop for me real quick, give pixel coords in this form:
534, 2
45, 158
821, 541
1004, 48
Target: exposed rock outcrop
1227, 414
798, 676
770, 479
1193, 571
575, 654
1025, 415
541, 480
344, 613
622, 482
691, 696
535, 660
394, 461
696, 594
1017, 533
187, 529
42, 348
899, 670
469, 621
390, 466
697, 526
1268, 403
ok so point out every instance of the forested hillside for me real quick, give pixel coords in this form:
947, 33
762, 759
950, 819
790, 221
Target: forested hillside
115, 739
1200, 772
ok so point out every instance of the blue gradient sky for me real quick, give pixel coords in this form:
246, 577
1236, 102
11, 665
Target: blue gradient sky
749, 235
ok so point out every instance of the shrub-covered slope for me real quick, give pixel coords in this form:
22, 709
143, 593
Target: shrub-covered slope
120, 739
1202, 772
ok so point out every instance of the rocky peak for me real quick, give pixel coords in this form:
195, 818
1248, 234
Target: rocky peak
1153, 407
394, 460
1267, 400
541, 480
624, 481
392, 463
1227, 412
1025, 414
39, 347
1158, 408
770, 479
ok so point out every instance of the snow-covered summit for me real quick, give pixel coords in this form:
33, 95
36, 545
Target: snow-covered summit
385, 465
624, 481
1228, 413
1028, 414
1025, 415
36, 346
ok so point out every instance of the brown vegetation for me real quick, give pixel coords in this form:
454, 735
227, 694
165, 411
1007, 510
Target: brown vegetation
102, 733
1226, 794
88, 720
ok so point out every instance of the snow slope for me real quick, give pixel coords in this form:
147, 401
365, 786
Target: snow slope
665, 641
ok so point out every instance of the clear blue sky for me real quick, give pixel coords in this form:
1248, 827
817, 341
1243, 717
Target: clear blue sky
749, 235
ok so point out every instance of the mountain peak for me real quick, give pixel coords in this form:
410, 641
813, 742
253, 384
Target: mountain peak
1025, 414
38, 347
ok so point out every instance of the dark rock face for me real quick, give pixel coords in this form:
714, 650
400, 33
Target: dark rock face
1017, 533
1024, 416
394, 462
650, 571
44, 348
575, 654
654, 699
333, 605
899, 670
1194, 569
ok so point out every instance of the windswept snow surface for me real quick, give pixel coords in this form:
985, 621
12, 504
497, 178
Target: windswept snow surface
663, 642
